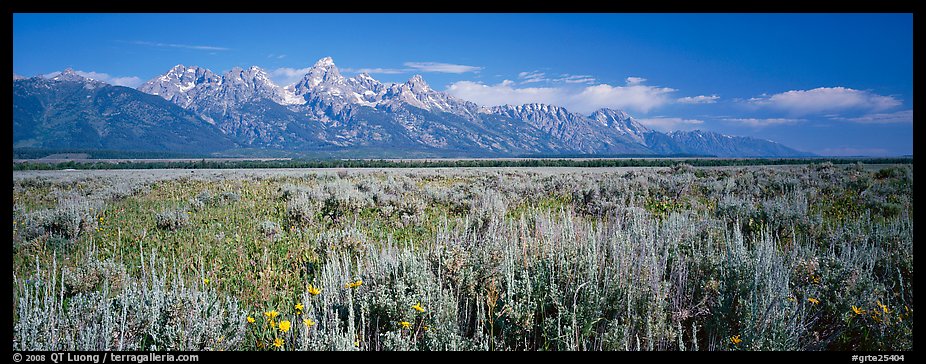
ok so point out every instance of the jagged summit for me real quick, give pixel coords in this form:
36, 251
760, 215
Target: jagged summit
69, 75
417, 84
621, 122
325, 62
325, 107
323, 72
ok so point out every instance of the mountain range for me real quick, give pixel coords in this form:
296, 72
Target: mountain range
193, 109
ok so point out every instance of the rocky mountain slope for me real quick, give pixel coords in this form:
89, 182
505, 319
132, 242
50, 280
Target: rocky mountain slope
327, 112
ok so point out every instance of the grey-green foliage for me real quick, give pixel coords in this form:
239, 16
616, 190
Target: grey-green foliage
70, 218
269, 229
157, 312
569, 284
172, 219
227, 197
598, 271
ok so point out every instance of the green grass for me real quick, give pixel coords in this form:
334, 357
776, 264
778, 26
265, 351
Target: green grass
681, 259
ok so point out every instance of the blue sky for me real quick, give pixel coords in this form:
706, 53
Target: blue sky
832, 84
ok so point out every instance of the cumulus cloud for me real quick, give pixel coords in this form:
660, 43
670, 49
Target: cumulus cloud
700, 99
825, 100
441, 67
764, 122
635, 80
504, 93
578, 99
898, 117
127, 81
287, 75
636, 97
671, 124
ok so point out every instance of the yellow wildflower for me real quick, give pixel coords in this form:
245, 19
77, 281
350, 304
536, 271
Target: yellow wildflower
813, 300
205, 280
278, 342
418, 307
308, 322
883, 307
284, 325
405, 324
299, 306
250, 320
314, 291
735, 339
354, 284
858, 311
271, 314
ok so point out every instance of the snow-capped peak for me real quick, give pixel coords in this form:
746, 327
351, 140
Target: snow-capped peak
324, 62
535, 111
621, 122
69, 75
323, 72
417, 84
181, 84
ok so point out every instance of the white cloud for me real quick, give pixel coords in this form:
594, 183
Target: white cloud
636, 97
576, 79
503, 93
532, 76
578, 99
635, 80
441, 67
905, 116
185, 46
671, 124
130, 81
537, 76
764, 122
825, 100
127, 81
700, 99
287, 76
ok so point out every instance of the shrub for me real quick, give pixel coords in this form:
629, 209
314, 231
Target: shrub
71, 218
227, 197
172, 219
302, 209
268, 229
